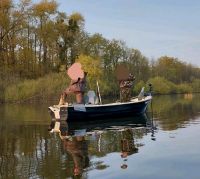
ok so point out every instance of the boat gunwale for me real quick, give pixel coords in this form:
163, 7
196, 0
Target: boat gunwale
146, 99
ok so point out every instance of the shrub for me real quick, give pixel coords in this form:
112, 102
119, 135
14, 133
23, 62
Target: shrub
47, 86
138, 86
162, 86
184, 88
196, 85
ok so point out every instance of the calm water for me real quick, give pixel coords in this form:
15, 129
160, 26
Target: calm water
166, 147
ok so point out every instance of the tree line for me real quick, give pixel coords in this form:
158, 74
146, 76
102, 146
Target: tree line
37, 39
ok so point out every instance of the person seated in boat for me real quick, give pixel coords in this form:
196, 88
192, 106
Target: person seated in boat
76, 87
125, 88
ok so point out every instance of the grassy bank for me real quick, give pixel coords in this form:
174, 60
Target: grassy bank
47, 88
50, 87
163, 86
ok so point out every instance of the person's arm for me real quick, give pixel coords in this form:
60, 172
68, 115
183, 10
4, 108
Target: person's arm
75, 81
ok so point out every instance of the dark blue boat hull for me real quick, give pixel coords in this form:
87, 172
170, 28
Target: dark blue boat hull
99, 112
96, 112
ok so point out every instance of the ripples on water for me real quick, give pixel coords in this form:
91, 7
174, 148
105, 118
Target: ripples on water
128, 148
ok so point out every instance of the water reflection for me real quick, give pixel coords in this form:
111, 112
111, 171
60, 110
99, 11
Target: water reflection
77, 149
96, 139
173, 112
97, 149
127, 146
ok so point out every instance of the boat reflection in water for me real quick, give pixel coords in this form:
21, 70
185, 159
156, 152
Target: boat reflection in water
84, 142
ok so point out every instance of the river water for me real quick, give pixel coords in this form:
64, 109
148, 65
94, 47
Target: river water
163, 144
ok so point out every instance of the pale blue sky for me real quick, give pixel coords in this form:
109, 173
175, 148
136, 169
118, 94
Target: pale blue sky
155, 27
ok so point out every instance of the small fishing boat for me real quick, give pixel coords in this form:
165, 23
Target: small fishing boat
80, 112
93, 108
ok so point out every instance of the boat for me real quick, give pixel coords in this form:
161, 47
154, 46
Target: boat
93, 109
86, 112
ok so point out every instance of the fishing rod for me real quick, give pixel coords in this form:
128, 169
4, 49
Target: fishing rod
98, 91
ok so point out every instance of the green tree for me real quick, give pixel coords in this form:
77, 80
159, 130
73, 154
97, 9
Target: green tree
92, 67
42, 12
138, 64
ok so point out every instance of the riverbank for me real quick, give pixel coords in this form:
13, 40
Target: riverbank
50, 87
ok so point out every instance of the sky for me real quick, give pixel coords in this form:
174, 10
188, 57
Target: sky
155, 27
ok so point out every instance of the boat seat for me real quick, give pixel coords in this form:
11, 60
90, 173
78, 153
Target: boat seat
141, 94
91, 98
